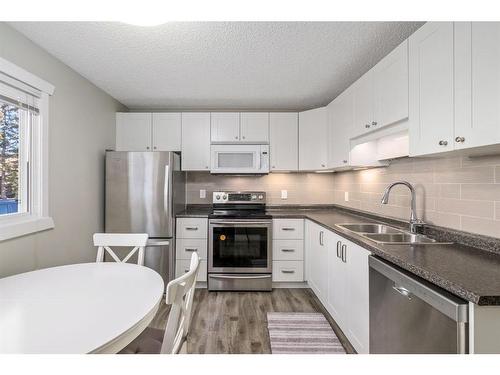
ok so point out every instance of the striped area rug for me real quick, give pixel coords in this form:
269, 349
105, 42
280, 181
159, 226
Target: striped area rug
302, 333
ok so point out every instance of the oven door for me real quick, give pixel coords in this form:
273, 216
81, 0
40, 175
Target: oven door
240, 246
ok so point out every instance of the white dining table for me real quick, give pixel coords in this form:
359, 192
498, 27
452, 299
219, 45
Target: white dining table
79, 308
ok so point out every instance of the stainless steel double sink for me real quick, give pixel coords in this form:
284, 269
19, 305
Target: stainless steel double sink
384, 234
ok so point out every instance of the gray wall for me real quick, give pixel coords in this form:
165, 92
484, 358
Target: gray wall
82, 119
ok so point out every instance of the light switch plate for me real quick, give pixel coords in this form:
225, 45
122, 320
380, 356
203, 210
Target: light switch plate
284, 194
203, 193
346, 196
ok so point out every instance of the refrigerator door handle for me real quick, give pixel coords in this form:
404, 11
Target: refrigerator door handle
153, 242
166, 192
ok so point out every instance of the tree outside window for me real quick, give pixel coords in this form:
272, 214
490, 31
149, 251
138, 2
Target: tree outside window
9, 158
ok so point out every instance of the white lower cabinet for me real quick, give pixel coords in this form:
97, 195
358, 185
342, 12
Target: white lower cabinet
337, 272
317, 260
288, 270
191, 236
288, 250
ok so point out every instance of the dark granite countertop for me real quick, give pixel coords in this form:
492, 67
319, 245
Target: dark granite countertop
468, 272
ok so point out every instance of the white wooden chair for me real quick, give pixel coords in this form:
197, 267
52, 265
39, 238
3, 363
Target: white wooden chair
137, 241
180, 294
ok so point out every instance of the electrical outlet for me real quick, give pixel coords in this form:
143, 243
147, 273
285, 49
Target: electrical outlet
284, 194
203, 193
346, 196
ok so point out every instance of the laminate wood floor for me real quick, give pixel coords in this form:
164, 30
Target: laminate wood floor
235, 322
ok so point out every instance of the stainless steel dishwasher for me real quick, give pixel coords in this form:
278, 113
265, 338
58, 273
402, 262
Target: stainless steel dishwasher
411, 315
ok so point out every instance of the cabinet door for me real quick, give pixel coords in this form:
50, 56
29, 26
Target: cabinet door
166, 131
390, 83
283, 136
133, 131
313, 142
478, 75
357, 296
225, 126
337, 280
363, 104
431, 88
340, 124
254, 127
195, 141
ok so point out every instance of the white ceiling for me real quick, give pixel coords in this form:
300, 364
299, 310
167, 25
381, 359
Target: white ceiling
220, 65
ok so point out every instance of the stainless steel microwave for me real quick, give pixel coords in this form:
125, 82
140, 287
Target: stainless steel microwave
239, 159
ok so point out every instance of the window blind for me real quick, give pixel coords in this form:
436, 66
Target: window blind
19, 94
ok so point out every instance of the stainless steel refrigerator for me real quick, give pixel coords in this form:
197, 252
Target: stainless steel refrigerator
144, 191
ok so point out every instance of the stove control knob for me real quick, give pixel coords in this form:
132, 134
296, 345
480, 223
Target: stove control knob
254, 197
261, 197
224, 196
217, 197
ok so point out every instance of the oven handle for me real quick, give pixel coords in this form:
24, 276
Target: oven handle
239, 277
239, 222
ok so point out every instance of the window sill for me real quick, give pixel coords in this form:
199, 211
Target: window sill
21, 226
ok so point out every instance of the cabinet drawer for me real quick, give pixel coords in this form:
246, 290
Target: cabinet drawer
184, 248
182, 266
288, 249
192, 228
288, 270
288, 229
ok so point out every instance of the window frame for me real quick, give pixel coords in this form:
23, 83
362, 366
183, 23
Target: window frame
37, 218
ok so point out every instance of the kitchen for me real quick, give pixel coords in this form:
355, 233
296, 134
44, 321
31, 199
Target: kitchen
371, 211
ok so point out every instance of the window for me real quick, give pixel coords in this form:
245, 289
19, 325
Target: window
23, 152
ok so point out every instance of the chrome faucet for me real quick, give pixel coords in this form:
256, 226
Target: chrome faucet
415, 222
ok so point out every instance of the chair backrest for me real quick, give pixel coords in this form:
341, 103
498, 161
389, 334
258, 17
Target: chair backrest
180, 293
135, 240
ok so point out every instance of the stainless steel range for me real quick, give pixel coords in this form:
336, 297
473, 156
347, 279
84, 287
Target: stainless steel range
240, 243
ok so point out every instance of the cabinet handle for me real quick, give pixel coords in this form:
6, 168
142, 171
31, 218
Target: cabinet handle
374, 123
154, 148
344, 253
344, 161
236, 137
147, 148
273, 167
191, 249
186, 270
288, 250
287, 271
339, 243
443, 143
459, 139
367, 126
321, 238
243, 137
323, 165
206, 166
191, 228
287, 228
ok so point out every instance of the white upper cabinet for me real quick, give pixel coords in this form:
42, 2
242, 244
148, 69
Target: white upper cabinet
284, 143
225, 127
313, 141
431, 88
195, 141
254, 127
363, 104
390, 86
166, 131
148, 131
340, 123
477, 84
133, 132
